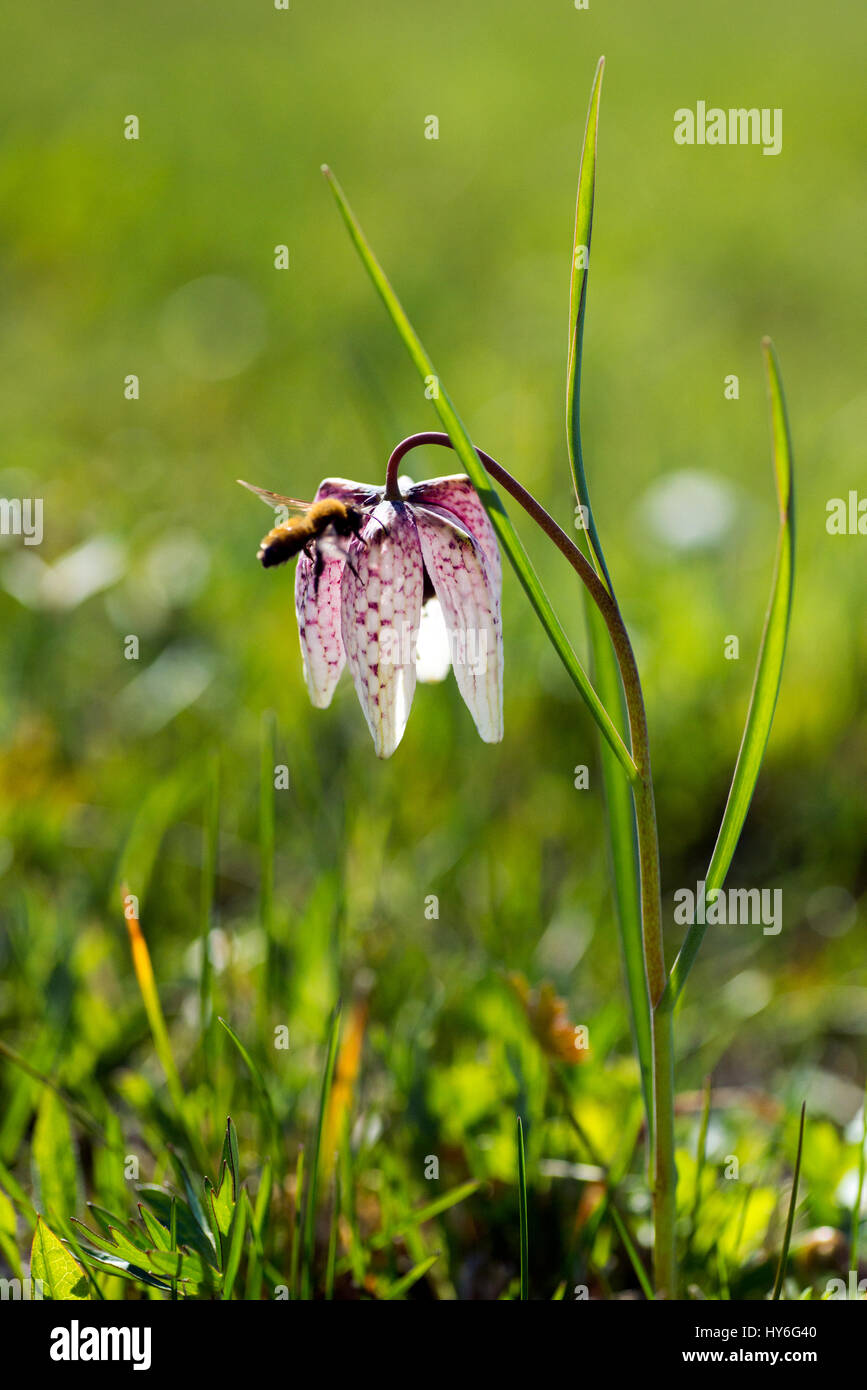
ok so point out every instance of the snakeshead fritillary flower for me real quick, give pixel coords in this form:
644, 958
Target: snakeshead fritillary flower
416, 591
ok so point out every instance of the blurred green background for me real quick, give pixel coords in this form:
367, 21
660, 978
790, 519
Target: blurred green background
156, 257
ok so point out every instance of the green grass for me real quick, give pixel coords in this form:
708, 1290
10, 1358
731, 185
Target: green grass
263, 906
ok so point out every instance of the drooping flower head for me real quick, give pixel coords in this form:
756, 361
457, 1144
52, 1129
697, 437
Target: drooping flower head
401, 596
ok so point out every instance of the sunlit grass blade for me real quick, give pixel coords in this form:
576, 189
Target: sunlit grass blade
236, 1246
402, 1286
423, 1214
790, 1219
769, 668
604, 670
313, 1182
506, 533
144, 973
522, 1213
258, 1078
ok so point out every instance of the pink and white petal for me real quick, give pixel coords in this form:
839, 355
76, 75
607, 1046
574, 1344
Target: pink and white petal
457, 496
381, 610
348, 491
470, 598
433, 658
319, 627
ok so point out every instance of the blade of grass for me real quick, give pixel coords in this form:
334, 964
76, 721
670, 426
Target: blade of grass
856, 1212
236, 1247
332, 1237
310, 1208
147, 985
296, 1225
522, 1212
257, 1076
790, 1219
267, 760
700, 1155
766, 685
620, 812
398, 1289
423, 1214
631, 1250
505, 531
210, 837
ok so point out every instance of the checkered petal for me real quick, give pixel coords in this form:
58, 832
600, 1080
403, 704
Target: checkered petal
381, 609
319, 627
470, 597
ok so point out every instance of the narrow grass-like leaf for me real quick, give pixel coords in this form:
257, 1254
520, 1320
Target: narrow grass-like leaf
856, 1210
297, 1227
462, 444
235, 1250
267, 759
147, 985
790, 1219
522, 1213
423, 1214
401, 1286
313, 1183
231, 1157
256, 1074
605, 673
210, 841
631, 1250
700, 1156
766, 685
332, 1237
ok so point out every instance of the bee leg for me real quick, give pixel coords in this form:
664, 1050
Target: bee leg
314, 554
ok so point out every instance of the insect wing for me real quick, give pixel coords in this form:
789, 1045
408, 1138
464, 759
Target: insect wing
275, 499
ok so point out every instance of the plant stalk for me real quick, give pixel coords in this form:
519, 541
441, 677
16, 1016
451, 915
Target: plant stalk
664, 1172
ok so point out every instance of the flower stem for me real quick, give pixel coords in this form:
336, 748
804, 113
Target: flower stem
664, 1172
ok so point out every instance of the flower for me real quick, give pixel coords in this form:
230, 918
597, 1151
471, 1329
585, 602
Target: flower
416, 591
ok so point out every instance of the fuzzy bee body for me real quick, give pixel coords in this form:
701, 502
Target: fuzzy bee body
321, 529
308, 531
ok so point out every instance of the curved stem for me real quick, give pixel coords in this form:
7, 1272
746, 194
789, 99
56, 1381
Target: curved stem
648, 843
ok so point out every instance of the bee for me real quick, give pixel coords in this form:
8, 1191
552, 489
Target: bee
322, 530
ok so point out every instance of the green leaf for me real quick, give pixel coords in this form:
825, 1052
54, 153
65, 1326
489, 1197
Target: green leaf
235, 1248
417, 1218
158, 1234
62, 1276
54, 1158
313, 1184
195, 1205
769, 670
462, 444
185, 1266
189, 1232
400, 1287
231, 1158
522, 1212
620, 811
790, 1219
223, 1206
256, 1074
